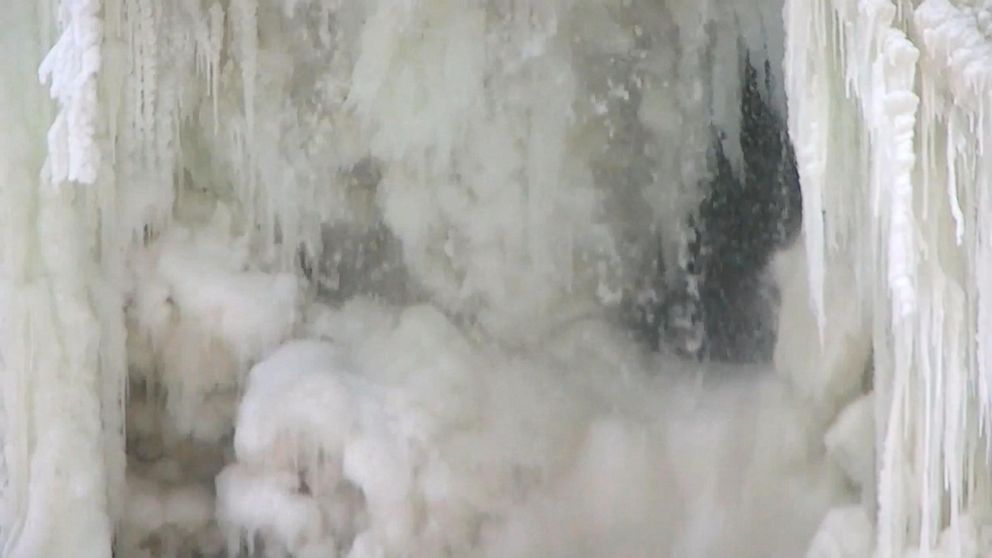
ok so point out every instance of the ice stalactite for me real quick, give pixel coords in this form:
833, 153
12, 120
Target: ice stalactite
890, 139
71, 67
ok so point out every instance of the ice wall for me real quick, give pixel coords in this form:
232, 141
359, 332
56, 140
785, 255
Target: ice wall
594, 116
62, 343
888, 110
212, 168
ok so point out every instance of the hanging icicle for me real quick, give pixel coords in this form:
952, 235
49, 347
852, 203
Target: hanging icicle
915, 79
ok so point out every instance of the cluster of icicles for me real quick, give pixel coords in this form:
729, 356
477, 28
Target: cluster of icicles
888, 106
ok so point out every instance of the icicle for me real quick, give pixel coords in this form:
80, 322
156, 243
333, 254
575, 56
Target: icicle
808, 123
145, 60
247, 28
216, 45
919, 106
71, 68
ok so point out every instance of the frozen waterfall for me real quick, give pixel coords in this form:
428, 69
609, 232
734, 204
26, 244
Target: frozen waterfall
376, 278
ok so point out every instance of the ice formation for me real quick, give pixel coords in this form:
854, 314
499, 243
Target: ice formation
409, 438
332, 277
887, 105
